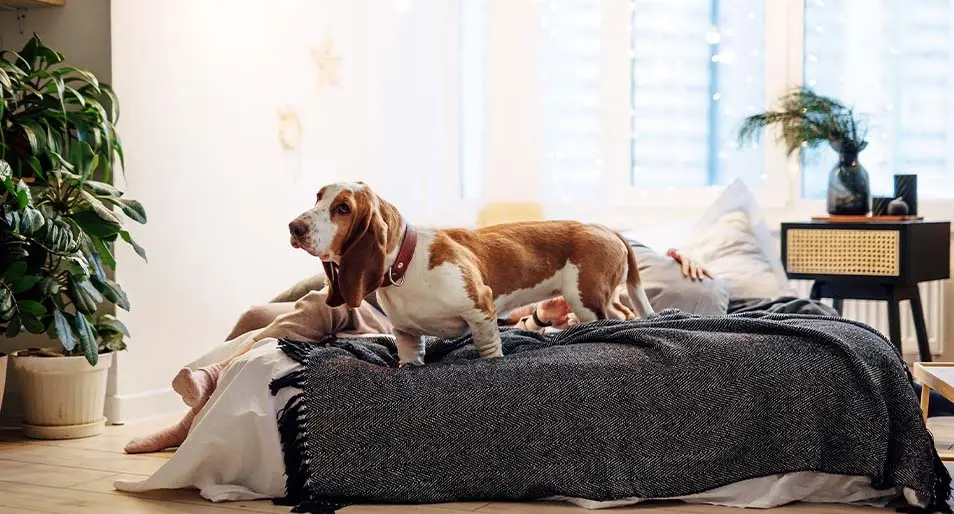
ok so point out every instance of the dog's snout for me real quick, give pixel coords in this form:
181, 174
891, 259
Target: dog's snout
298, 228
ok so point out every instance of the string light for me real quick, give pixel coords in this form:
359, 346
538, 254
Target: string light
712, 36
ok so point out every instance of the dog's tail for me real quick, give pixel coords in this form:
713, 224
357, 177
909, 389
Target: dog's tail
634, 285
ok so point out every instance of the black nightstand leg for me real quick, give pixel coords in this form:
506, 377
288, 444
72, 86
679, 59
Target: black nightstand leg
917, 311
894, 320
838, 303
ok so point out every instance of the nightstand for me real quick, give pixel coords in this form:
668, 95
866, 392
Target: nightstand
871, 260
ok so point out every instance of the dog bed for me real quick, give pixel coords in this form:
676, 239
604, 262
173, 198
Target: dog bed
608, 412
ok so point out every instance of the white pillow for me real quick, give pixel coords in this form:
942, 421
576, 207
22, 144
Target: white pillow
733, 241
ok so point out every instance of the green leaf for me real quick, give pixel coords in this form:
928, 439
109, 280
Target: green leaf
32, 324
63, 330
80, 99
79, 266
7, 305
87, 338
102, 189
24, 283
15, 271
94, 225
50, 287
112, 102
96, 262
84, 159
13, 220
114, 343
5, 80
29, 53
33, 308
13, 327
112, 291
35, 136
80, 300
104, 252
139, 250
131, 208
23, 194
97, 205
35, 165
79, 75
109, 323
31, 221
90, 290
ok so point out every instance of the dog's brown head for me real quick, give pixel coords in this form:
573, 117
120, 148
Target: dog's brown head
348, 230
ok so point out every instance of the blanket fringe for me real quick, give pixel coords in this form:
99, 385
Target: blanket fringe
297, 351
294, 448
295, 378
942, 486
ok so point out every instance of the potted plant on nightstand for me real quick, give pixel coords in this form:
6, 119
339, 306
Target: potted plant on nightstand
60, 217
806, 120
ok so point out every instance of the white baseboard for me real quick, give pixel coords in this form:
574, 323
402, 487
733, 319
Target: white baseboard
129, 408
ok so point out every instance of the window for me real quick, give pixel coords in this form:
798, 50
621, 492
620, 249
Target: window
647, 96
698, 68
897, 69
693, 75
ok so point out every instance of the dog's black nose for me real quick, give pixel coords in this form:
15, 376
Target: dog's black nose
298, 228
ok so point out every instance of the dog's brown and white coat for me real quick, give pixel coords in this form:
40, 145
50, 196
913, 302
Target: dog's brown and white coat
458, 280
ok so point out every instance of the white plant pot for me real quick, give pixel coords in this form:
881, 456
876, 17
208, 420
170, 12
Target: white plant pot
63, 397
3, 377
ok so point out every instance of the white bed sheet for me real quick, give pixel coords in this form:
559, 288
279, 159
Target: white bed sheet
233, 452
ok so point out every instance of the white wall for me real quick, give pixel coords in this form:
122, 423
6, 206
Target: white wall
80, 31
200, 83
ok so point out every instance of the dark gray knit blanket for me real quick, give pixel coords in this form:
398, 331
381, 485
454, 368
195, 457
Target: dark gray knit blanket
666, 406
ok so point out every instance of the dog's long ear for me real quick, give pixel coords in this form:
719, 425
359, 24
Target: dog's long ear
363, 254
334, 298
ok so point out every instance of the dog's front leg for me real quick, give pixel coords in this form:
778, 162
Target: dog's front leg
410, 349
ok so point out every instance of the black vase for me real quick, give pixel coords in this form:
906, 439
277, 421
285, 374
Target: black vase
849, 191
906, 188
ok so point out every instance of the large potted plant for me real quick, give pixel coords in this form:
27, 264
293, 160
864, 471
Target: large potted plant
60, 217
807, 120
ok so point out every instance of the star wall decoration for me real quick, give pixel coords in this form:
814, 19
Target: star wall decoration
328, 63
289, 128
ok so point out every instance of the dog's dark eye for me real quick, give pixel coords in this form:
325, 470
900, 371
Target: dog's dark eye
342, 208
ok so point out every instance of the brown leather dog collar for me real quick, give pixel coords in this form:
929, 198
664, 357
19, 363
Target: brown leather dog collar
395, 273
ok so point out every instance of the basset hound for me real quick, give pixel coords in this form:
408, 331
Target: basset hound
444, 282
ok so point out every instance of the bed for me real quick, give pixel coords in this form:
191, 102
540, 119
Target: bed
785, 360
889, 442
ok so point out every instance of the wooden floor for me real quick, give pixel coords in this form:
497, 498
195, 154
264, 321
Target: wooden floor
76, 477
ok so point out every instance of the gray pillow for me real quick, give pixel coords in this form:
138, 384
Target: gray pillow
667, 288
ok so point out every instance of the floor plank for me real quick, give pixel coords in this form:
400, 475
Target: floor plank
83, 459
54, 500
43, 474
